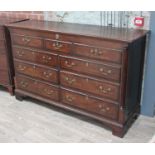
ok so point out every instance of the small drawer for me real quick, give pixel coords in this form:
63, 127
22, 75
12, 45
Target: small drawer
111, 55
36, 56
4, 77
98, 87
27, 41
59, 46
35, 71
88, 67
3, 61
89, 103
37, 87
2, 45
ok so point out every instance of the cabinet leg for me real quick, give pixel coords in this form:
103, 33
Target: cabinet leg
119, 132
19, 97
11, 91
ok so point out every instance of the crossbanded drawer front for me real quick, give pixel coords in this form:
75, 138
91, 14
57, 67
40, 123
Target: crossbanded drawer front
4, 78
88, 67
111, 55
3, 61
90, 85
37, 87
36, 56
35, 71
27, 41
90, 104
59, 46
2, 44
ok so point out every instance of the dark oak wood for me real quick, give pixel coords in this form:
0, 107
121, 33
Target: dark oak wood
36, 71
95, 71
89, 67
38, 56
37, 87
6, 67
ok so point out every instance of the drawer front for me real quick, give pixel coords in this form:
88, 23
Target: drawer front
27, 41
90, 104
3, 61
37, 87
40, 57
50, 75
87, 84
2, 44
98, 53
87, 67
58, 46
4, 77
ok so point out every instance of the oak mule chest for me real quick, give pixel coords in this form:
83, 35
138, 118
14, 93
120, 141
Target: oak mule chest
91, 70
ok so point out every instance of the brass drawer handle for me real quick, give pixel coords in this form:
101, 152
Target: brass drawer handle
26, 40
21, 68
69, 81
103, 90
70, 64
57, 45
104, 109
20, 54
23, 84
69, 98
48, 92
95, 52
105, 72
46, 59
47, 75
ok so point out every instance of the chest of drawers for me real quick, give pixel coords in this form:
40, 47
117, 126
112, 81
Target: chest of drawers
6, 65
91, 70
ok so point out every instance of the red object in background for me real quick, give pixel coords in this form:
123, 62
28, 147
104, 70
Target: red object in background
139, 21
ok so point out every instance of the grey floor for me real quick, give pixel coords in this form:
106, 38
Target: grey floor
30, 122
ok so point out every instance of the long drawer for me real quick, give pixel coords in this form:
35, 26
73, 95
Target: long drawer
90, 67
89, 103
27, 41
4, 78
37, 56
98, 53
35, 71
59, 46
3, 61
37, 87
90, 85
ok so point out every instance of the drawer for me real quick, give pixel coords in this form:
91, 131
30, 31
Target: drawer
4, 77
89, 103
88, 67
59, 46
35, 71
36, 56
37, 87
27, 41
101, 88
3, 61
105, 54
2, 44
